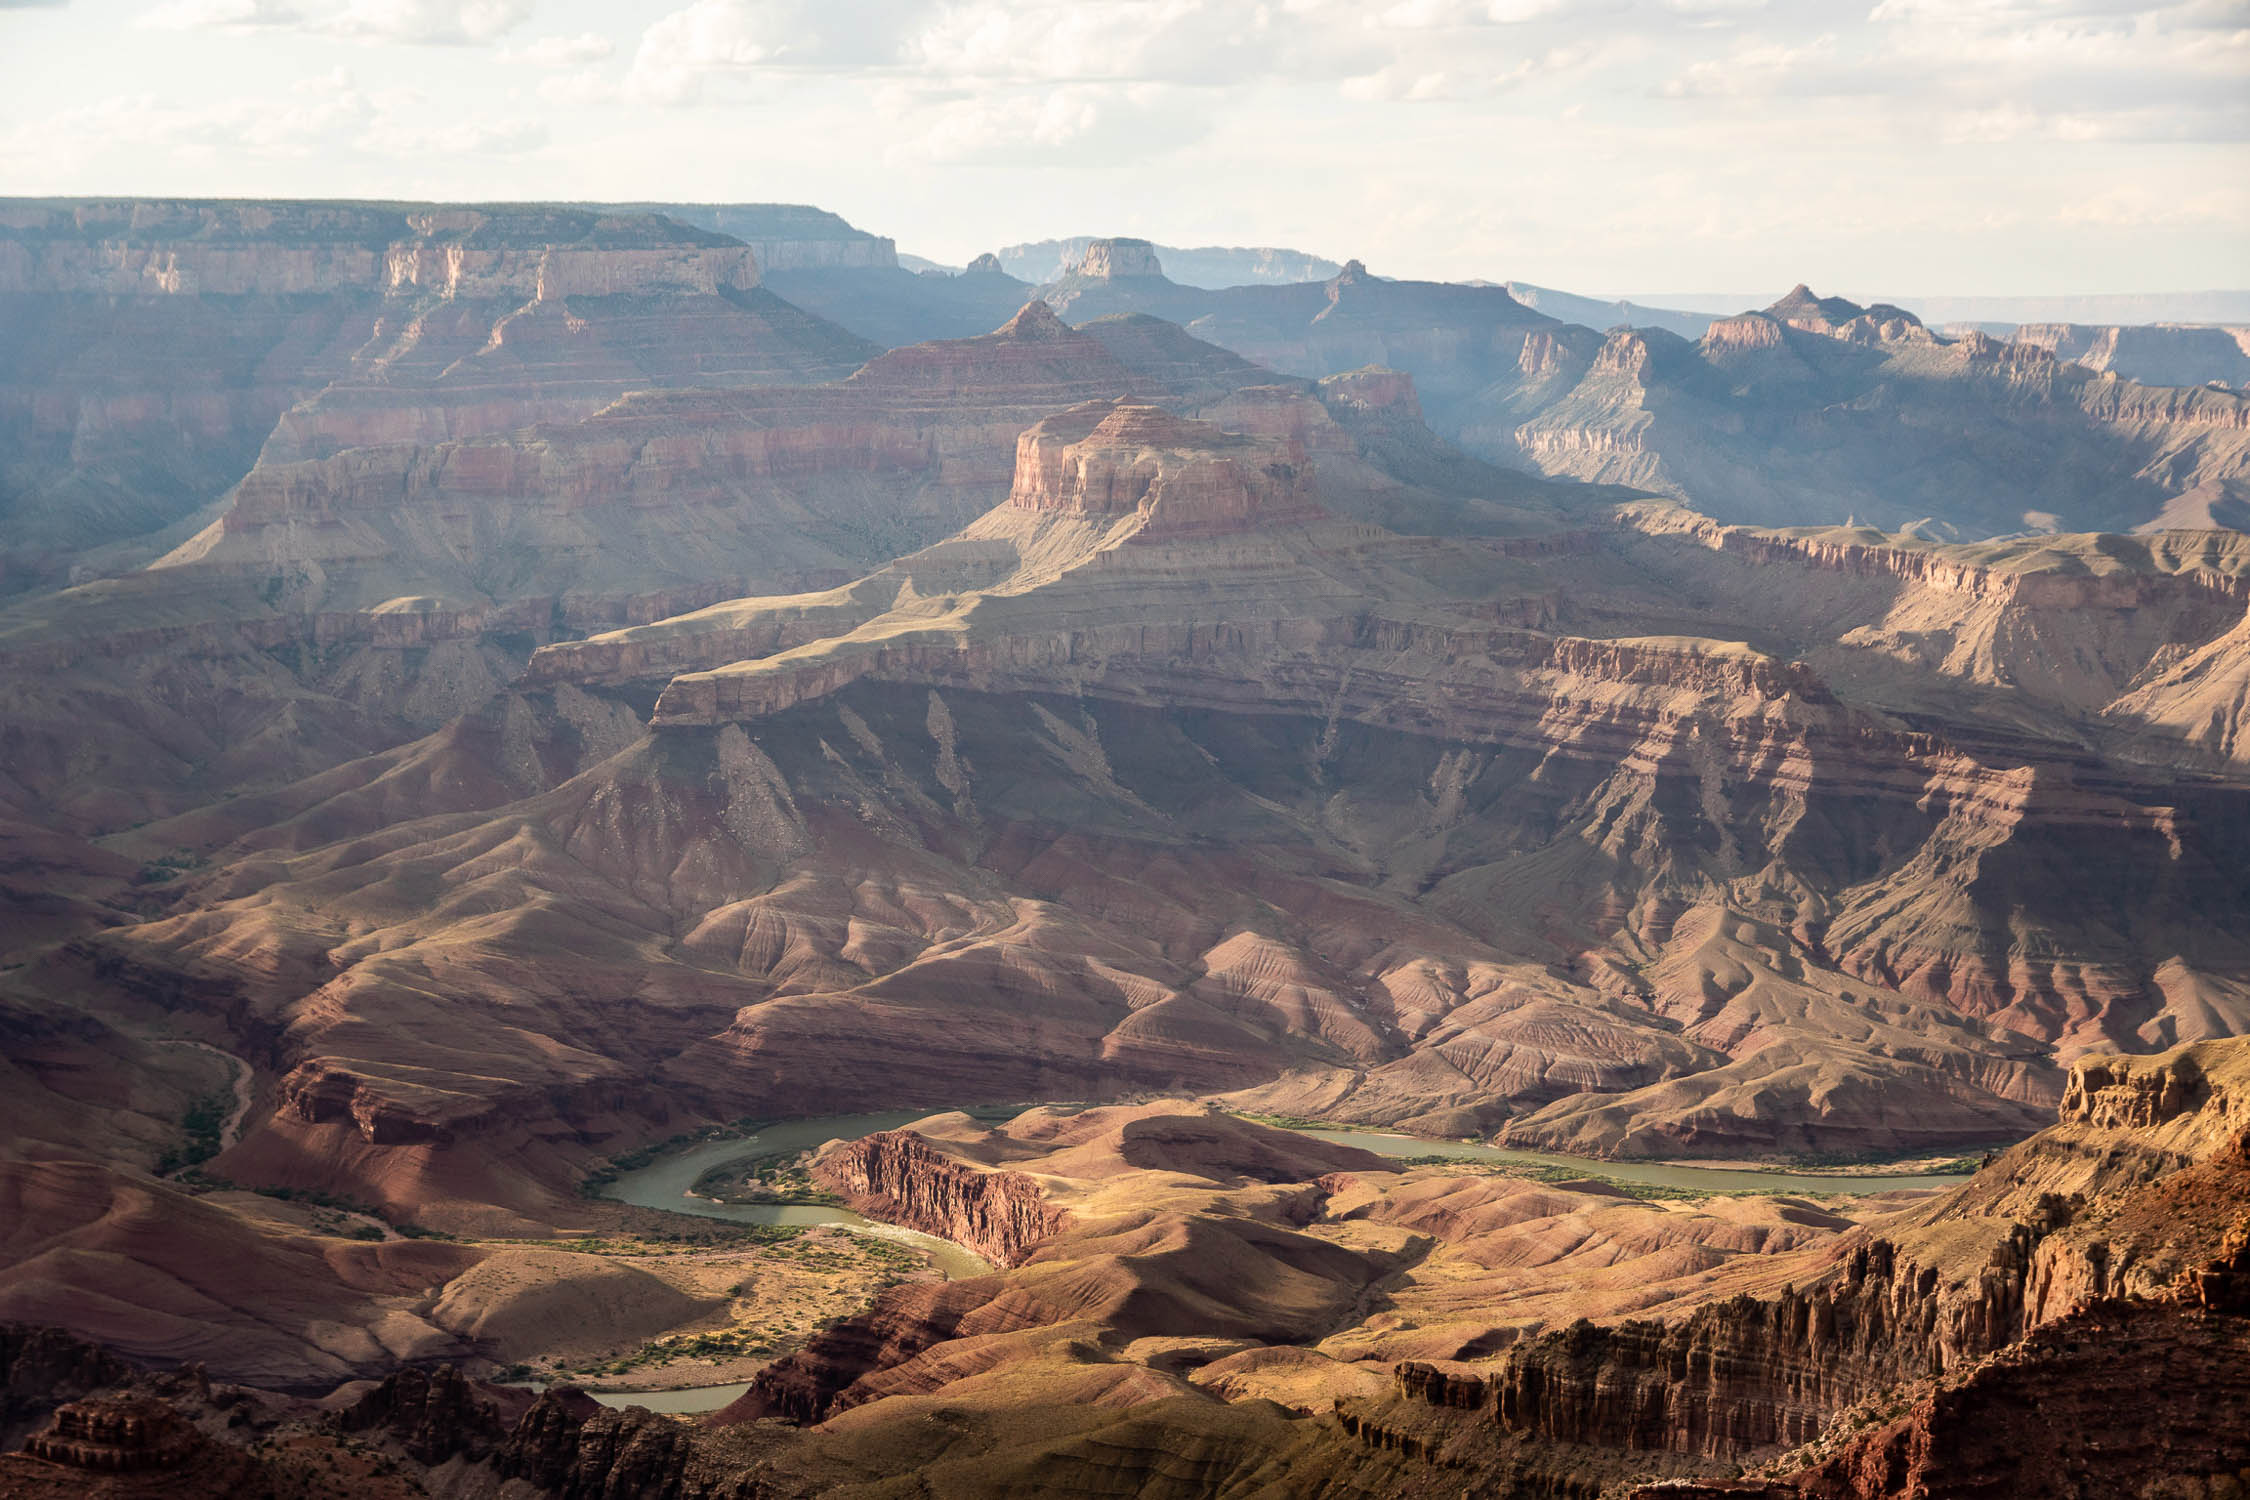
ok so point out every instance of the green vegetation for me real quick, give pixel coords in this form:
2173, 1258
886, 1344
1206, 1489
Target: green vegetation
1293, 1122
632, 1161
1533, 1172
342, 1205
1959, 1166
778, 1177
724, 1343
697, 1235
166, 866
206, 1118
821, 1254
1845, 1163
319, 1199
833, 1255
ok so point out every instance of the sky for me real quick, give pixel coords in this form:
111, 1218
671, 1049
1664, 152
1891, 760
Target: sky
1986, 147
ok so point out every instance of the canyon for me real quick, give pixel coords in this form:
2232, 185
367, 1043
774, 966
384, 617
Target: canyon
488, 693
1219, 1307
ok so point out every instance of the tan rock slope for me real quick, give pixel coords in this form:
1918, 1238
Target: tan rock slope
1161, 775
1219, 1308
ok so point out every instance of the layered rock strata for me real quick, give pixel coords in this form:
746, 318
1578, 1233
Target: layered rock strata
893, 1176
2060, 1227
1230, 1303
237, 249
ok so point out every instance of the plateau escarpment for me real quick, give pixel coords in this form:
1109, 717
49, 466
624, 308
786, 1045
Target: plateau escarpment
158, 348
1792, 414
2178, 354
1704, 420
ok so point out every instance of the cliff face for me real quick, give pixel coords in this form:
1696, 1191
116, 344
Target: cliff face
155, 350
784, 236
42, 1366
1722, 423
2043, 1414
2082, 1231
1741, 1376
2153, 354
1111, 259
1188, 478
652, 490
186, 248
895, 1177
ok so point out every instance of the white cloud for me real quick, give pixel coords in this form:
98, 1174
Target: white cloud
581, 88
1565, 141
427, 22
562, 51
1760, 69
420, 22
188, 15
1201, 43
327, 117
1085, 125
1402, 83
718, 37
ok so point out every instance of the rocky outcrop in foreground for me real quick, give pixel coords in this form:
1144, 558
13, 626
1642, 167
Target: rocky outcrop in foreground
1966, 1371
2051, 1415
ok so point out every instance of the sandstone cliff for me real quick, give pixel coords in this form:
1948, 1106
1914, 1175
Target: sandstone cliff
2014, 1265
893, 1176
213, 248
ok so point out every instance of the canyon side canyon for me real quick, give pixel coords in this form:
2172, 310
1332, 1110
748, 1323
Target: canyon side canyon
1435, 898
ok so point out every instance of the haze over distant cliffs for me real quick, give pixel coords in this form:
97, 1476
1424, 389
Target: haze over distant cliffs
1206, 266
499, 701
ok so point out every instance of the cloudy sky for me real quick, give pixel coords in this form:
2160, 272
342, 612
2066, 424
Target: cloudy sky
1963, 146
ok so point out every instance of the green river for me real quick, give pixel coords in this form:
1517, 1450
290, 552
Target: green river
666, 1183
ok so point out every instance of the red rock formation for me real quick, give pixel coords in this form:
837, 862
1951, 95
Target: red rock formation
1736, 1377
439, 1414
116, 1435
2050, 1416
2130, 1093
896, 1177
1752, 1376
41, 1365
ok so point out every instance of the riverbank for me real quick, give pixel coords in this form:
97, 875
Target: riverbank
669, 1183
1714, 1178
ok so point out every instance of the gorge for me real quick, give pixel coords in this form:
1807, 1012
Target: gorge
1326, 886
